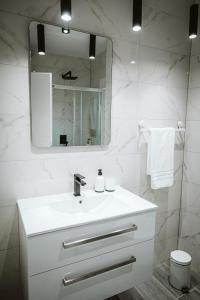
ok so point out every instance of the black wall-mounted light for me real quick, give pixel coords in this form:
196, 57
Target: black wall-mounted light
66, 10
41, 39
65, 30
137, 15
193, 26
92, 48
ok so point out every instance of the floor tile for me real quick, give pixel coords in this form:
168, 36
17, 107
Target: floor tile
130, 295
153, 290
193, 295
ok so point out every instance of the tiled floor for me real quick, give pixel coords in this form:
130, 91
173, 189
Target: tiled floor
159, 288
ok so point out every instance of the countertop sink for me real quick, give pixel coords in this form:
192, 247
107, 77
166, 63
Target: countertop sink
50, 213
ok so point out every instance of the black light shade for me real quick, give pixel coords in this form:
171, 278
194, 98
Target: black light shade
193, 26
137, 15
66, 10
41, 39
92, 49
65, 30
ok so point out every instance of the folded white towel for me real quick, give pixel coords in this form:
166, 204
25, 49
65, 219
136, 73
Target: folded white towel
160, 157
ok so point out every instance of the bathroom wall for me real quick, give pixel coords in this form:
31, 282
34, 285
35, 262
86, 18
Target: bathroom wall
190, 204
153, 89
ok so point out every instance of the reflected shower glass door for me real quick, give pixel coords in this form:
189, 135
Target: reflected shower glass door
77, 117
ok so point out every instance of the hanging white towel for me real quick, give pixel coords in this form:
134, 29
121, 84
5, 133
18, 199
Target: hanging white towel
160, 157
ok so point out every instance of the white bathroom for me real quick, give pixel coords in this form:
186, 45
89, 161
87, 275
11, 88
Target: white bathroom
99, 149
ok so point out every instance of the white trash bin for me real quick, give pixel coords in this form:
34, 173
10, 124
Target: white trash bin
180, 262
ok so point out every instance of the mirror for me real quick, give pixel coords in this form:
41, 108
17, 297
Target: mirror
71, 87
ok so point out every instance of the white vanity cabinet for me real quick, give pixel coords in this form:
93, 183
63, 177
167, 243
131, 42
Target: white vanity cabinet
91, 260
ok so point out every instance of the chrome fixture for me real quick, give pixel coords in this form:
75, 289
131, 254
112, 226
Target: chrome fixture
66, 10
137, 15
41, 39
68, 281
193, 26
78, 182
92, 49
67, 245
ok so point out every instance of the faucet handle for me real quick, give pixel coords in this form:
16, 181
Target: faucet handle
79, 176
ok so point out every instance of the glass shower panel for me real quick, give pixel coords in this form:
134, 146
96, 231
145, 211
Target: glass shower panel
91, 118
77, 117
65, 112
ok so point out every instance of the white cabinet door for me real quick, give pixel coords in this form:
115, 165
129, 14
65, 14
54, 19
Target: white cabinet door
41, 109
46, 251
50, 286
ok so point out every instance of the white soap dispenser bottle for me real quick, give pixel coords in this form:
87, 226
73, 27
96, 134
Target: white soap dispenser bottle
99, 184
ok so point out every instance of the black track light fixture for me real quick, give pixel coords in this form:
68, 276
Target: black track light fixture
41, 39
92, 48
193, 25
137, 15
66, 10
65, 30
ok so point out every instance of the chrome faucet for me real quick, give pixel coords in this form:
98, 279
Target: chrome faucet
78, 182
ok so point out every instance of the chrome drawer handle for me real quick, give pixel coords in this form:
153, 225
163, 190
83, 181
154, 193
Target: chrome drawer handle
67, 245
67, 281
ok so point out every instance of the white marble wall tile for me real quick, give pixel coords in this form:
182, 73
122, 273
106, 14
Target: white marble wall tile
124, 99
152, 65
8, 227
191, 167
167, 224
124, 52
14, 90
163, 249
194, 81
124, 136
190, 201
192, 141
188, 228
179, 8
159, 26
163, 67
160, 102
13, 39
13, 142
193, 108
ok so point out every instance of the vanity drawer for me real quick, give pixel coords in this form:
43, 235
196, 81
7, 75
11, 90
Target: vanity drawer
64, 247
96, 278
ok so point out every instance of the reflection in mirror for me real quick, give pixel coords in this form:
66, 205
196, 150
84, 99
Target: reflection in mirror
70, 87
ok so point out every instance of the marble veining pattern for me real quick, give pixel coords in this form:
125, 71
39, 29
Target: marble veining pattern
154, 89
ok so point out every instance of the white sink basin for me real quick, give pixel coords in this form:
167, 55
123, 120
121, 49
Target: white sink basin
81, 205
48, 213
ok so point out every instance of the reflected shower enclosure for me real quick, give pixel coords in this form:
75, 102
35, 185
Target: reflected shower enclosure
78, 115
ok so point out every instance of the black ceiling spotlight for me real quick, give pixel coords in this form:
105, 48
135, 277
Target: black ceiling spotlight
137, 15
65, 30
193, 26
41, 39
66, 10
92, 49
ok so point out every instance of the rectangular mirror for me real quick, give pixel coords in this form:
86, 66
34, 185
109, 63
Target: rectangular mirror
71, 87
